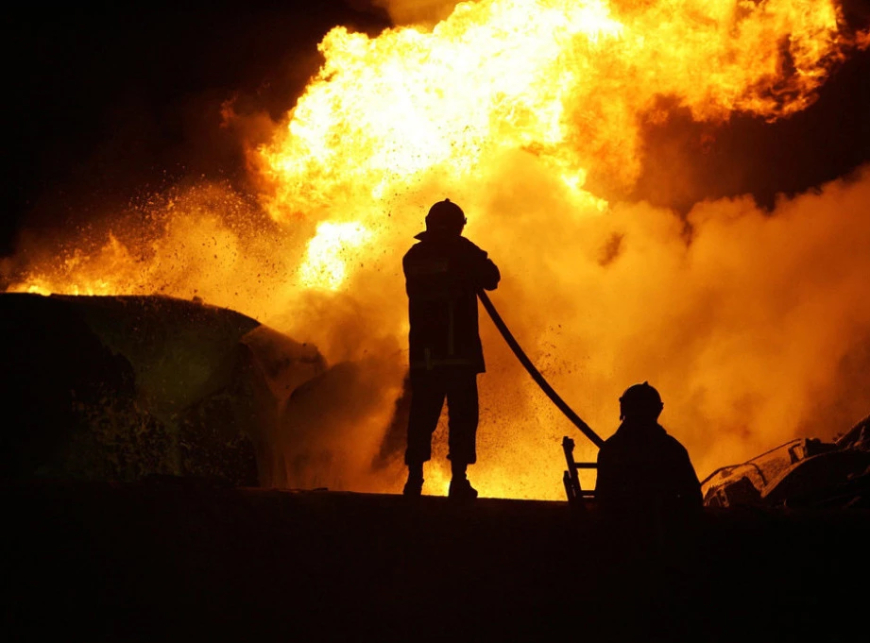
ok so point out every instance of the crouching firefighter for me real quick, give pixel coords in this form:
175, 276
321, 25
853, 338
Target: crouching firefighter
645, 476
443, 273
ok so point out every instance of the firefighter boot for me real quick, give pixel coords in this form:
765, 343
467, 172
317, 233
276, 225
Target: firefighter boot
414, 485
460, 487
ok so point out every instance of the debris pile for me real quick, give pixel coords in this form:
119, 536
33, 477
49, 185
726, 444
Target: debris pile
802, 473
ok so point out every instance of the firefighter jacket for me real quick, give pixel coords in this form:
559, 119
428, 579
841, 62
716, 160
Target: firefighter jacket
642, 469
442, 276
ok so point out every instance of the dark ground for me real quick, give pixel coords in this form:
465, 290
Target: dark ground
171, 559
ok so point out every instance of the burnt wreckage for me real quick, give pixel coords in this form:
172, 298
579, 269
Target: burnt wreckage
802, 473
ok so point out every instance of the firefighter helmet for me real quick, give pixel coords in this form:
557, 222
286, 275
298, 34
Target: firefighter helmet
445, 215
641, 402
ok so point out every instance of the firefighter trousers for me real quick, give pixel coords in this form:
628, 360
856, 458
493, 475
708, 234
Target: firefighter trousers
429, 389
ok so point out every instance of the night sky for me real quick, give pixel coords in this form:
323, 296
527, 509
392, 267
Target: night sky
107, 101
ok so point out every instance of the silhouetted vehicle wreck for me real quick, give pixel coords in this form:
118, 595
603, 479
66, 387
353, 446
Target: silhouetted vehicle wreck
804, 472
119, 388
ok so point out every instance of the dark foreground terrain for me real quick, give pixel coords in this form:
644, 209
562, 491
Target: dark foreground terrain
168, 559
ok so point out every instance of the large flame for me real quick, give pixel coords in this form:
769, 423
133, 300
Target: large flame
529, 113
568, 82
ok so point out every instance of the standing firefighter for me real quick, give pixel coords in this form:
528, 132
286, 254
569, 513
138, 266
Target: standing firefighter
442, 276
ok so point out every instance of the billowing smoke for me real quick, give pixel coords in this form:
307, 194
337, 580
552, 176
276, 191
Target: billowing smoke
754, 325
752, 321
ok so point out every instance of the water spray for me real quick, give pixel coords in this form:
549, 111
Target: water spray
535, 373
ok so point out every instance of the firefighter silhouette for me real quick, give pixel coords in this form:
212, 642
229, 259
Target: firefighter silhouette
645, 476
443, 273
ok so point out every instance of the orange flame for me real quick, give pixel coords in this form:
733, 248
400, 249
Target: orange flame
569, 82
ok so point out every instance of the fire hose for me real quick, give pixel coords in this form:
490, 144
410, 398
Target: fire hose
535, 373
